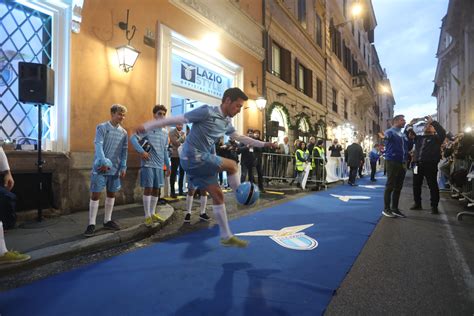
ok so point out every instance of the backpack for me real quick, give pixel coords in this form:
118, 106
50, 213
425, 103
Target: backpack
7, 208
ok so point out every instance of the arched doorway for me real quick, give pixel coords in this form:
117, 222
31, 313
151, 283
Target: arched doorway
277, 114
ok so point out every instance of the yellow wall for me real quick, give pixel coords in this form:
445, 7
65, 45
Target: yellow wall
97, 82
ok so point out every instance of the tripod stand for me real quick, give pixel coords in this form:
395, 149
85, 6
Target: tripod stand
40, 162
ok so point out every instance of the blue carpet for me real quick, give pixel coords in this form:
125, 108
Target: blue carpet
193, 275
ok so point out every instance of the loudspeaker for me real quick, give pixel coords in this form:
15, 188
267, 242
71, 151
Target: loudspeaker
36, 83
272, 129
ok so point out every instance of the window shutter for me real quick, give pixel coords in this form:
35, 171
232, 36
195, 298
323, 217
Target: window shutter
268, 41
297, 77
308, 82
285, 66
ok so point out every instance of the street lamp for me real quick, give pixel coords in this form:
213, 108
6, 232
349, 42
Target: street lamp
261, 103
356, 12
127, 54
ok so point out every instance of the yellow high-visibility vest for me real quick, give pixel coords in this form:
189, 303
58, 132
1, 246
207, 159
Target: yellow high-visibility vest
300, 164
321, 155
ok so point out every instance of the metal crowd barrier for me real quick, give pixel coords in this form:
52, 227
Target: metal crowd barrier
467, 190
279, 167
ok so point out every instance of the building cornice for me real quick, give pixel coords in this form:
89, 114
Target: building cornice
246, 35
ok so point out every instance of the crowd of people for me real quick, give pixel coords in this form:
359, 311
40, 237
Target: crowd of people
199, 157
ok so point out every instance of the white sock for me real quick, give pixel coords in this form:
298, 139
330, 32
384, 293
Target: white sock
202, 210
3, 247
189, 203
153, 203
109, 206
220, 216
233, 180
93, 208
146, 205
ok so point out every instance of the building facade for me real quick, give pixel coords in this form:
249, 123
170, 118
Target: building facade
454, 79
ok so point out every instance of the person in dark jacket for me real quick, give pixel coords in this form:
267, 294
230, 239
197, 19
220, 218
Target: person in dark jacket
426, 157
374, 156
247, 160
397, 146
258, 152
354, 157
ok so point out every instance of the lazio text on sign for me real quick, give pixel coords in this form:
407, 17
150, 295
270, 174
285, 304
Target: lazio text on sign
193, 76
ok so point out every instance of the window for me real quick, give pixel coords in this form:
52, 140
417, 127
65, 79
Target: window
335, 40
303, 129
302, 12
358, 39
276, 60
303, 79
319, 31
319, 91
26, 36
344, 8
334, 100
300, 80
31, 34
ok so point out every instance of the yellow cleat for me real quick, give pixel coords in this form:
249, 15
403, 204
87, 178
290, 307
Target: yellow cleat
149, 222
157, 218
234, 242
13, 257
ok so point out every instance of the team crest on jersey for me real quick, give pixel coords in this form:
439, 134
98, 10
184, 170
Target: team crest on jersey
289, 237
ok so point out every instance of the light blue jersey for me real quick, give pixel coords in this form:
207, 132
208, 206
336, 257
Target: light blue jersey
209, 125
158, 138
112, 143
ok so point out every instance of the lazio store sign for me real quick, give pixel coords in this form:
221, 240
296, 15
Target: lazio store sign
191, 75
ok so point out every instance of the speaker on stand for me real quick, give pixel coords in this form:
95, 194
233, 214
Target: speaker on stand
36, 85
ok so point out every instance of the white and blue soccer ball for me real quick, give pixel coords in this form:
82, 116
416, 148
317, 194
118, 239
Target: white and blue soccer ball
247, 193
102, 162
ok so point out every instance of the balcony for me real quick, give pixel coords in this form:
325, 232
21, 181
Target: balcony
363, 90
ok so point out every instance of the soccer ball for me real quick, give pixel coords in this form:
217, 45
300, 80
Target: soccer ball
247, 193
102, 162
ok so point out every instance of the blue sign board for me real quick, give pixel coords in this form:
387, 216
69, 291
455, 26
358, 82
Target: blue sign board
193, 76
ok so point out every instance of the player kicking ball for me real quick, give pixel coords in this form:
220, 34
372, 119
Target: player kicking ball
210, 123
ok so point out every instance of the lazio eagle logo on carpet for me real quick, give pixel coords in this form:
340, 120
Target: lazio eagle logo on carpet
289, 237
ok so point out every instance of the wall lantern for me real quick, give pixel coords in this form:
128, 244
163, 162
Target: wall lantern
261, 102
127, 54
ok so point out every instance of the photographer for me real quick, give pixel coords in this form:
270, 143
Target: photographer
426, 157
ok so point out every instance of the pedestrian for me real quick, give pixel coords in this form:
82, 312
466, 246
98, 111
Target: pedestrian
354, 157
110, 165
7, 256
426, 157
397, 146
285, 151
154, 155
311, 144
302, 157
258, 152
247, 160
374, 157
189, 203
209, 123
318, 162
335, 148
177, 137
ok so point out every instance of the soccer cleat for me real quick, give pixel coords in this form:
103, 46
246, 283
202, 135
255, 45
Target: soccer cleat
398, 213
149, 222
13, 257
111, 225
90, 231
187, 218
234, 242
388, 213
157, 218
204, 217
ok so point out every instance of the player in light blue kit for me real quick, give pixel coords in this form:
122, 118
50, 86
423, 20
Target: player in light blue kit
210, 123
153, 158
110, 164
